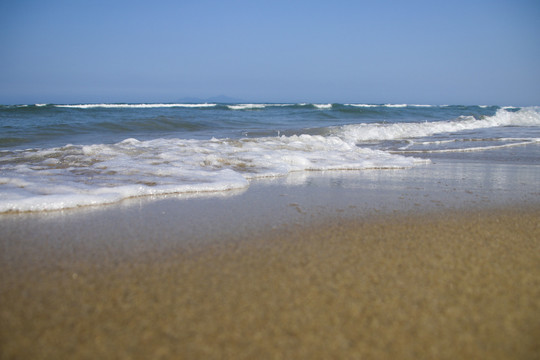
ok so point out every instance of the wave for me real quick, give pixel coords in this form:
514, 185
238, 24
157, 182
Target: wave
395, 105
323, 106
134, 106
257, 106
247, 106
390, 105
362, 105
375, 132
180, 105
496, 144
420, 106
80, 175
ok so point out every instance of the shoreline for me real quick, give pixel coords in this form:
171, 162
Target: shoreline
430, 262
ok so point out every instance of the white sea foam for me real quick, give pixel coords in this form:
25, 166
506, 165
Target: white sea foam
246, 106
280, 105
391, 105
254, 106
363, 105
497, 144
395, 105
80, 175
323, 106
385, 105
375, 132
71, 176
133, 106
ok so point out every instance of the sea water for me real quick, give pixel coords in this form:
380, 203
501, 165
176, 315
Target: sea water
55, 156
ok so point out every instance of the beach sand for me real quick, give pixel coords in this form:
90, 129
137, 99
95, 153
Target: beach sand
329, 267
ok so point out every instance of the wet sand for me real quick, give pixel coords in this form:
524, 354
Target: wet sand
399, 276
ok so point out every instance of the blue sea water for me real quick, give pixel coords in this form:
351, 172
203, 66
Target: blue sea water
55, 156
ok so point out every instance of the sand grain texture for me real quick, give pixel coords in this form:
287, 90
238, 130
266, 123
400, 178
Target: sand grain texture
443, 286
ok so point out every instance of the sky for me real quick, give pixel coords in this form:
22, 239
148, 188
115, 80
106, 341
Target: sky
380, 51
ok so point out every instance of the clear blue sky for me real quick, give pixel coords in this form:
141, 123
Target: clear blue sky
466, 52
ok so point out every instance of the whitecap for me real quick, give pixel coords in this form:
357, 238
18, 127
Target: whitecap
363, 105
246, 106
82, 175
375, 132
323, 106
395, 105
134, 106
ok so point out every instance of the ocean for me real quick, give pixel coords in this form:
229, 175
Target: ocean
55, 156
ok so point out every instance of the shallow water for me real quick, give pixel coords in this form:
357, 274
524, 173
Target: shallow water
64, 156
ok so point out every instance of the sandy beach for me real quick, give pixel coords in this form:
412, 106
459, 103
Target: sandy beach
296, 180
441, 261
